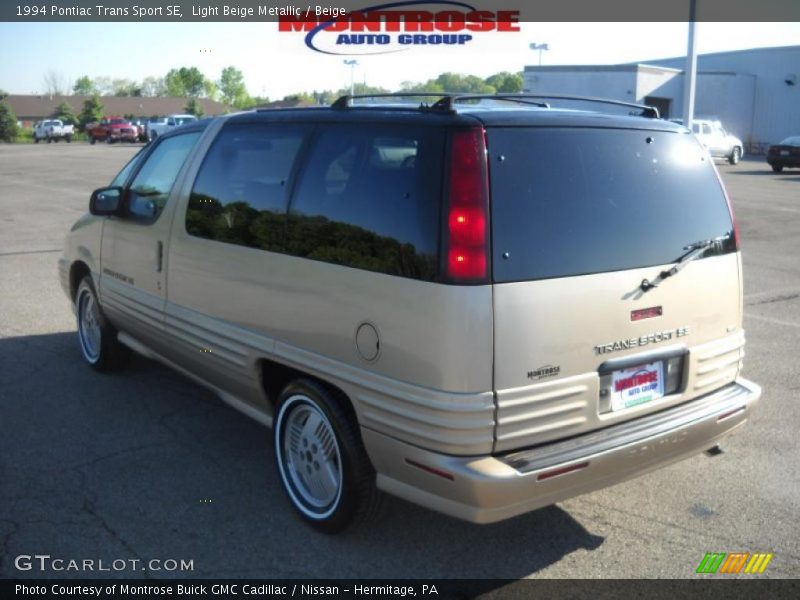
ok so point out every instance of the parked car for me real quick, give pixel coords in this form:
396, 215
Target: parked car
156, 122
785, 154
52, 130
481, 311
720, 143
112, 129
165, 124
141, 129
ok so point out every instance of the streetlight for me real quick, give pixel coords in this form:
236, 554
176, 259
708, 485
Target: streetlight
352, 64
540, 48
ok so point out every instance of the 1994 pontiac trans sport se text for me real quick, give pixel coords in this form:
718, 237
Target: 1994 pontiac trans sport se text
419, 298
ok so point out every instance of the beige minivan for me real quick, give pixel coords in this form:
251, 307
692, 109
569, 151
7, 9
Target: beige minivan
481, 305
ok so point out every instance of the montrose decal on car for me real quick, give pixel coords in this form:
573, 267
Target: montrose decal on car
396, 26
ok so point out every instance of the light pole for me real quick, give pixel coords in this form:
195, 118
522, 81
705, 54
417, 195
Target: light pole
690, 72
352, 64
540, 48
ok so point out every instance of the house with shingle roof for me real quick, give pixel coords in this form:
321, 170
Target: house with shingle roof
32, 108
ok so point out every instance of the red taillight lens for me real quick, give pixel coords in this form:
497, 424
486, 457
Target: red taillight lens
466, 265
467, 210
467, 226
646, 313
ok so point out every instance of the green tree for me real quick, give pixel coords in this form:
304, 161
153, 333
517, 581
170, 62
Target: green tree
125, 87
231, 85
505, 82
84, 86
185, 82
92, 111
301, 97
193, 107
210, 89
66, 114
452, 83
103, 86
8, 123
153, 86
428, 86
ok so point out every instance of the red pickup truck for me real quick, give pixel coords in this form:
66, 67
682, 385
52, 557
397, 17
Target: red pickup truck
112, 129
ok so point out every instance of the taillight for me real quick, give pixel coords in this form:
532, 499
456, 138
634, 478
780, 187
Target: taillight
730, 209
467, 238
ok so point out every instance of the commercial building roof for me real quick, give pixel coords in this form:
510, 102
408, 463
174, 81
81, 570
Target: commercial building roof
43, 106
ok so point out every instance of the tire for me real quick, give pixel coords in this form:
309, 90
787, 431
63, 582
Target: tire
69, 139
97, 338
314, 434
777, 168
92, 140
736, 155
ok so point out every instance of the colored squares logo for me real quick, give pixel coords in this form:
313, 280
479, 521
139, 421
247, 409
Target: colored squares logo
735, 562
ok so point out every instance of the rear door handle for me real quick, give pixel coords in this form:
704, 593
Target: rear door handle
159, 256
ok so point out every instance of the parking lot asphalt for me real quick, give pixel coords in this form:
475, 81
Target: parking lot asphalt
144, 464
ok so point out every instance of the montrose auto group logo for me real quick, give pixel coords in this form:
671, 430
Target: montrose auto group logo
395, 26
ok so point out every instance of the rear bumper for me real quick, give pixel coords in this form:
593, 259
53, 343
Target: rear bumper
783, 161
486, 489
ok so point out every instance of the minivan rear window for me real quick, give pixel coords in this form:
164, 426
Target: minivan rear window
576, 201
368, 198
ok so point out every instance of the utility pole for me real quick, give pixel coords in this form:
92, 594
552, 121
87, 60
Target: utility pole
352, 64
690, 72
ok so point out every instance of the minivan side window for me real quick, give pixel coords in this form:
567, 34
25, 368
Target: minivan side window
369, 198
150, 188
240, 193
122, 176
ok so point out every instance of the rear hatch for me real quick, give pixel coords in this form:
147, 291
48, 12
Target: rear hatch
580, 217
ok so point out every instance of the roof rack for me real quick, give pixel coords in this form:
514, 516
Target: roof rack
447, 102
450, 100
347, 101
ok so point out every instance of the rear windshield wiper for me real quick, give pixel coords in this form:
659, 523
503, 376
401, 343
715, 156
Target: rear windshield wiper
693, 251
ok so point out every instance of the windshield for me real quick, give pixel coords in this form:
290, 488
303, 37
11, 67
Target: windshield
576, 201
791, 141
122, 176
182, 120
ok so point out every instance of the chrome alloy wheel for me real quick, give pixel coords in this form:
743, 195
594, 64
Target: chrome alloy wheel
89, 327
309, 459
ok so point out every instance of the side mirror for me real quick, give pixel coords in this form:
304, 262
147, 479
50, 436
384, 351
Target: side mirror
106, 201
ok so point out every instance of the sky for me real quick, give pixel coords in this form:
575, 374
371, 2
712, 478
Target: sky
277, 64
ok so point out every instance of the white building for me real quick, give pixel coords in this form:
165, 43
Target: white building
755, 93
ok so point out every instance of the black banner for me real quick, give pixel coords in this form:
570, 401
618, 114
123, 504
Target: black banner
734, 588
264, 10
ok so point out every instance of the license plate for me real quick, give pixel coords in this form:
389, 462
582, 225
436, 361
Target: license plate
637, 385
784, 153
